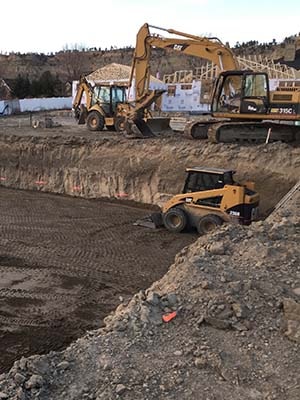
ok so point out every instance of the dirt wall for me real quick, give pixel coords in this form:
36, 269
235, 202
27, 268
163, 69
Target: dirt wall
139, 170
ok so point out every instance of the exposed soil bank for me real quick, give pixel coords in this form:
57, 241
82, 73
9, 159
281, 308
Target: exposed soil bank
139, 170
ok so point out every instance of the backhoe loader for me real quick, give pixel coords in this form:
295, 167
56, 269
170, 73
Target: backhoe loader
209, 198
106, 106
242, 106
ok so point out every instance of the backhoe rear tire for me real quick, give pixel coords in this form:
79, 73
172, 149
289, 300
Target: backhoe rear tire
175, 220
95, 121
208, 224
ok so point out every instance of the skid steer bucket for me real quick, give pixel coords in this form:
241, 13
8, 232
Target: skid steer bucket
152, 221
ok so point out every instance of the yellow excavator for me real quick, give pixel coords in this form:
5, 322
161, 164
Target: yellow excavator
209, 198
242, 106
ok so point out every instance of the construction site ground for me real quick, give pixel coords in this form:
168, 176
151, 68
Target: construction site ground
65, 264
72, 261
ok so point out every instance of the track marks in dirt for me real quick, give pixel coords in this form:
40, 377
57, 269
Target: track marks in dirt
64, 263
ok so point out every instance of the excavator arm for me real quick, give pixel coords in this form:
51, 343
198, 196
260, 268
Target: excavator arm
211, 49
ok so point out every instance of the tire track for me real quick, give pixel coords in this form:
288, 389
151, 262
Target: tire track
64, 263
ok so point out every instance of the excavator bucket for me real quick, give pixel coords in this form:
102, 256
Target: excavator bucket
152, 221
144, 128
137, 129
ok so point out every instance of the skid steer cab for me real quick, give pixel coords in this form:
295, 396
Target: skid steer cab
210, 197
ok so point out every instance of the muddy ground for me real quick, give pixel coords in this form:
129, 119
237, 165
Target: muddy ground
65, 263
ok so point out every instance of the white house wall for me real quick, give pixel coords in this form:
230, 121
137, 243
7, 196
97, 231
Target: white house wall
15, 106
184, 100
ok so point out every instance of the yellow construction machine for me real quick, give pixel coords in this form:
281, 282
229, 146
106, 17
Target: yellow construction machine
209, 198
242, 106
106, 106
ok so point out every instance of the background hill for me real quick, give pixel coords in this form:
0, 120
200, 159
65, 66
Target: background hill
53, 71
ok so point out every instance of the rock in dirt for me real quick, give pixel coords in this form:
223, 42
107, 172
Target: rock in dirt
292, 319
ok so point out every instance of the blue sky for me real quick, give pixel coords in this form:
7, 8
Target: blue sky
49, 26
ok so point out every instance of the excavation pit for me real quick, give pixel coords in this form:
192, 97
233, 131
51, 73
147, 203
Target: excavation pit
67, 261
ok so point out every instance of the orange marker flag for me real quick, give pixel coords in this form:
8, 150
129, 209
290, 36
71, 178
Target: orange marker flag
169, 317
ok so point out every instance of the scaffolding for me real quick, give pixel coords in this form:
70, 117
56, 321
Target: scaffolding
256, 63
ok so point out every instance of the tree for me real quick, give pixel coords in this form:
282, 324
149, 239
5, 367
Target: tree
73, 60
22, 87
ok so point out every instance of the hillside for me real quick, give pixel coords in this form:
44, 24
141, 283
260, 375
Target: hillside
68, 65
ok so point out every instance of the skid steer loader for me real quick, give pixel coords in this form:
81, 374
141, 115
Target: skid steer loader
209, 198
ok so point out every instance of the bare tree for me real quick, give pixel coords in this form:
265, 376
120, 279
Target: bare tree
73, 59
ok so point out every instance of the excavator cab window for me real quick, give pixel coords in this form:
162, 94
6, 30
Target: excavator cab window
229, 92
256, 94
255, 85
241, 92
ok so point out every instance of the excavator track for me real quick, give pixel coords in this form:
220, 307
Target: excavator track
241, 132
197, 129
251, 132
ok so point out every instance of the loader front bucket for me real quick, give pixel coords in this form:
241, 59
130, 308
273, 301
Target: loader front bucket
158, 124
152, 221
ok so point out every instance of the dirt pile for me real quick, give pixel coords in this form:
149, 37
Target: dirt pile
235, 335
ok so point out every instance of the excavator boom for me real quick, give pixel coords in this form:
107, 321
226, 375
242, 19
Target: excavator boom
211, 49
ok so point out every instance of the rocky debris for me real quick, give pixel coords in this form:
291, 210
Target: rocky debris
234, 334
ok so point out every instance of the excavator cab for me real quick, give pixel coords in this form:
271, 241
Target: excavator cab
241, 92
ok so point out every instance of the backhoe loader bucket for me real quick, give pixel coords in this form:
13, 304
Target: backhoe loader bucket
152, 221
158, 124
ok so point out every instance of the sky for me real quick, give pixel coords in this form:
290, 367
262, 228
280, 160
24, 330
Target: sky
50, 26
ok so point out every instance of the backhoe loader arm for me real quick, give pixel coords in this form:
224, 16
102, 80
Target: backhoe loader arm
211, 49
83, 87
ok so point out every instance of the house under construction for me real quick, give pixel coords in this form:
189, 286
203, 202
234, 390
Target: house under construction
190, 91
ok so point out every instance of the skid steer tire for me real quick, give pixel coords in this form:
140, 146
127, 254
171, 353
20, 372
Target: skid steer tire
175, 220
208, 224
95, 121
